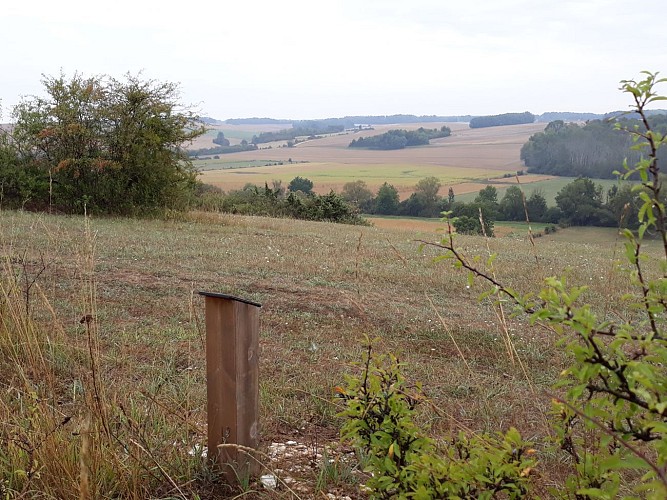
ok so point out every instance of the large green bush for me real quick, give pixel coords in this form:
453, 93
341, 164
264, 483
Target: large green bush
112, 146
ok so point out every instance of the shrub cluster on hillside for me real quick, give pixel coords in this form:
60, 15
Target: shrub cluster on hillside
399, 139
595, 149
504, 119
297, 202
111, 146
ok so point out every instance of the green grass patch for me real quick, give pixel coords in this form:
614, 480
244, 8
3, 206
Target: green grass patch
521, 227
338, 174
549, 187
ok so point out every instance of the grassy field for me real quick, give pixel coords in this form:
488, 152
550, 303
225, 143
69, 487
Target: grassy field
328, 176
115, 302
549, 186
466, 160
424, 225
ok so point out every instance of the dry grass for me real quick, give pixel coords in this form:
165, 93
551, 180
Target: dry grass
322, 287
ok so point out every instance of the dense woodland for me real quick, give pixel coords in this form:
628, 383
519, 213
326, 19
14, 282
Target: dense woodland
399, 139
504, 119
303, 129
596, 149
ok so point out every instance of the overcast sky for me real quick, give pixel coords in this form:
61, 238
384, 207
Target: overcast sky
316, 59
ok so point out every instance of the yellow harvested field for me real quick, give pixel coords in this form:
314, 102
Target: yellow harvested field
467, 160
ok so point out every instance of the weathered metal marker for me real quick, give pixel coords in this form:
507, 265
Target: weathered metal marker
232, 382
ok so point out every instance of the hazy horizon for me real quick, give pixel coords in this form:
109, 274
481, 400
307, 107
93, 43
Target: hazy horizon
306, 60
297, 118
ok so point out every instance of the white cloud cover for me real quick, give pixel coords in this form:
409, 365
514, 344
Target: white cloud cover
305, 59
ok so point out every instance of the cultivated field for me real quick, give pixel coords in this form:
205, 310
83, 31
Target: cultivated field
235, 134
322, 286
465, 160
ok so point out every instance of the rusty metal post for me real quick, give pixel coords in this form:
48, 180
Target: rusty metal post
232, 382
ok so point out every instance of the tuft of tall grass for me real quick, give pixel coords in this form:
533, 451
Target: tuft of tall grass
68, 428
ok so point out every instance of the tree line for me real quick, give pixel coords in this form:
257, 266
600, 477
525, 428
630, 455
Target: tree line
307, 129
580, 203
223, 147
596, 149
399, 139
503, 119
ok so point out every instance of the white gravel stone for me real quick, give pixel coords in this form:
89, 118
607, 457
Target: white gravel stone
269, 481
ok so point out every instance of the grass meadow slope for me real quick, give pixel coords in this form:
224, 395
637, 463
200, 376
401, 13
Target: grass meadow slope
102, 370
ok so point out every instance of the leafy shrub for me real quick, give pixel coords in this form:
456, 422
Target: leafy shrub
111, 146
271, 202
300, 184
404, 463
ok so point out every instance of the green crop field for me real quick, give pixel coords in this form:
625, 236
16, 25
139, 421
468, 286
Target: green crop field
425, 226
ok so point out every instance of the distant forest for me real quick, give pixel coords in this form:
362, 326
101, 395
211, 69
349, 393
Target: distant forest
584, 117
399, 139
299, 129
351, 121
504, 119
594, 150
